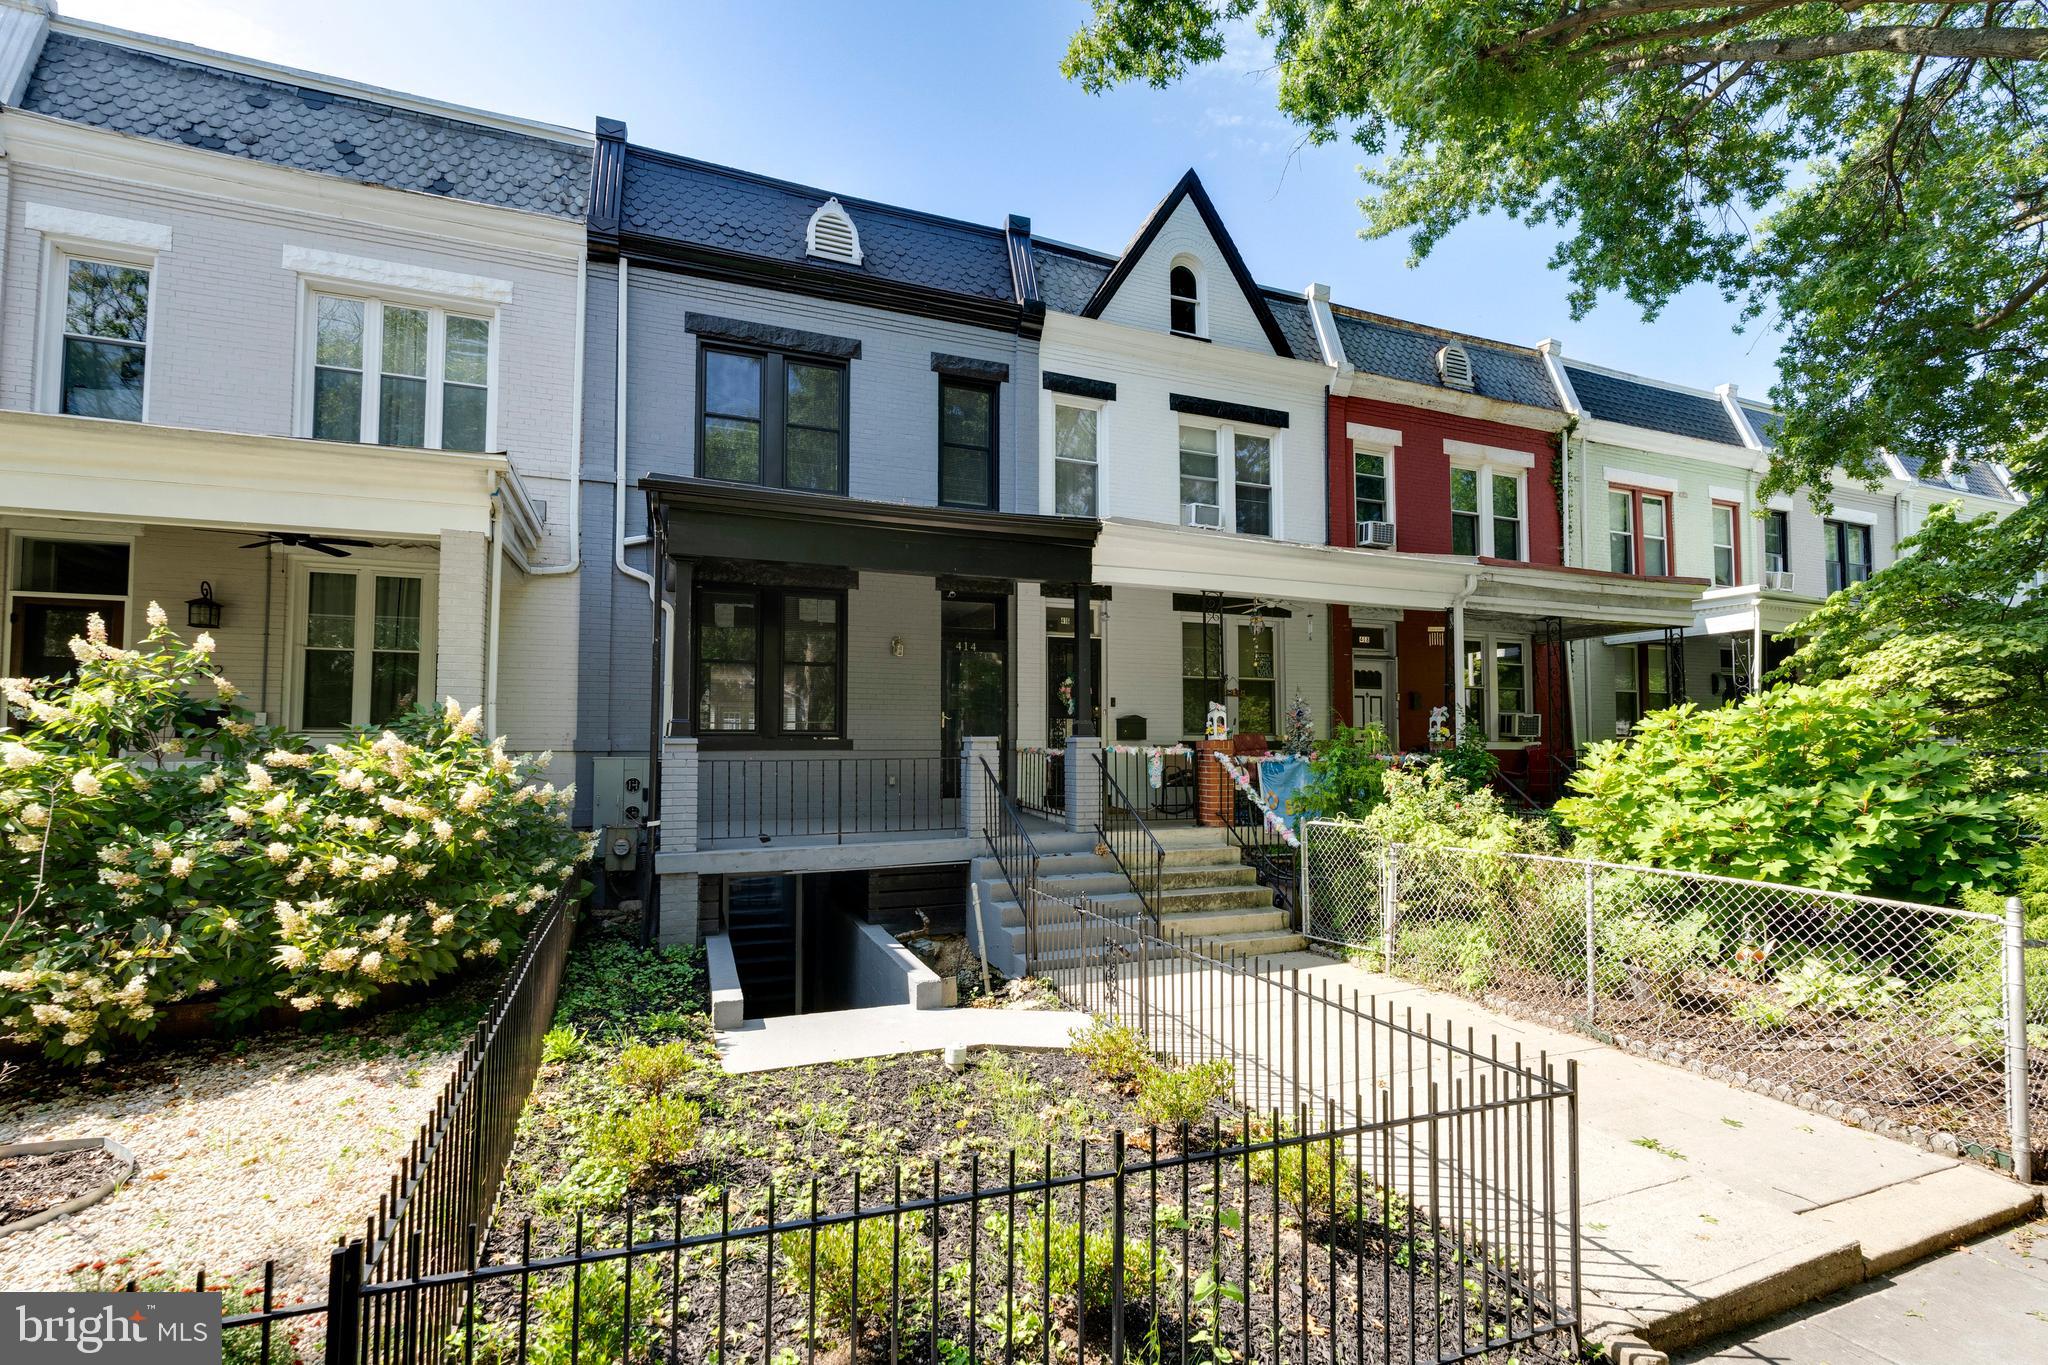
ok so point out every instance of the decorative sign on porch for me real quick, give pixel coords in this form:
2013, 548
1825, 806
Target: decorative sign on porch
1219, 722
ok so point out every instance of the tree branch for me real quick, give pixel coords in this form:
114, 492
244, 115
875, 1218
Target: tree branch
2012, 305
1910, 40
1592, 16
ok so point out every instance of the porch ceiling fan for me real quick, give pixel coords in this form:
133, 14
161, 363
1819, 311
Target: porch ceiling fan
301, 540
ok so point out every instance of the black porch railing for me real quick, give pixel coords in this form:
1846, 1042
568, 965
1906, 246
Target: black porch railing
1133, 846
824, 796
1010, 844
1266, 851
1039, 780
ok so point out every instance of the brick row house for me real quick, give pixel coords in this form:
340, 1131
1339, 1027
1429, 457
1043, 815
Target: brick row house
849, 557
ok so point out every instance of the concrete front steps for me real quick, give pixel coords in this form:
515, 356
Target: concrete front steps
1206, 892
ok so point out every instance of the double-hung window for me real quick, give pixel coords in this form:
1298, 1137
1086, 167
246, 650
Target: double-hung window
1487, 512
1496, 684
1639, 532
967, 442
768, 663
1848, 549
1370, 491
1076, 471
105, 341
1256, 712
1201, 488
1253, 492
1727, 544
365, 646
1628, 689
773, 419
1226, 478
400, 374
1777, 541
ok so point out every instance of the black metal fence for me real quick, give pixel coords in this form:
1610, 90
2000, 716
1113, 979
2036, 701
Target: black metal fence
825, 796
1038, 779
1136, 849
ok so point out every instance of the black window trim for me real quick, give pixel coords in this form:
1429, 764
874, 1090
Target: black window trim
770, 612
1780, 518
1835, 545
774, 412
995, 411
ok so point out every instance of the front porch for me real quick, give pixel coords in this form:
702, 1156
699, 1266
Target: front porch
340, 583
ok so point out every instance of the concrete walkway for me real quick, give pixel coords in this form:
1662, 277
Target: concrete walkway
1704, 1207
887, 1031
1984, 1301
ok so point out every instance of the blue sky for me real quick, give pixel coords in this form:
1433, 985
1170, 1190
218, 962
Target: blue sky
959, 108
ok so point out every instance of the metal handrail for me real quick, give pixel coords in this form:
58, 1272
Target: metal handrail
1015, 851
1278, 871
1131, 843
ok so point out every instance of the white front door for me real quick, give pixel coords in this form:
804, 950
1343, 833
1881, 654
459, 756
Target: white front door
1372, 691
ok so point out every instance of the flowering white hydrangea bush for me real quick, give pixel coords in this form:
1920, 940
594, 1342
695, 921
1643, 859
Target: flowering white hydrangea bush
156, 846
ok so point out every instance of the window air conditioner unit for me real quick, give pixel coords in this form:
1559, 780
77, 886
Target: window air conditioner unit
1201, 514
1777, 580
1522, 725
1621, 729
1376, 535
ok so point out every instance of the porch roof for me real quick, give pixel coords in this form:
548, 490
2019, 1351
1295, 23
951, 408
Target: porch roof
65, 466
1737, 611
1589, 603
712, 520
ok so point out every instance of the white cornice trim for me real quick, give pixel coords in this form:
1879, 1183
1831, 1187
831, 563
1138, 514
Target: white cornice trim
317, 264
1495, 455
1360, 384
56, 220
1739, 415
1626, 437
1663, 483
291, 75
1721, 493
77, 151
1365, 434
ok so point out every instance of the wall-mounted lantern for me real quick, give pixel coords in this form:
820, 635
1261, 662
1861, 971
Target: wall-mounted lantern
203, 611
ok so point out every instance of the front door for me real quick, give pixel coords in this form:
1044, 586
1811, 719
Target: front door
974, 694
43, 628
1372, 692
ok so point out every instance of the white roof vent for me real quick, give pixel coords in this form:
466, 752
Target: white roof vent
1454, 367
832, 234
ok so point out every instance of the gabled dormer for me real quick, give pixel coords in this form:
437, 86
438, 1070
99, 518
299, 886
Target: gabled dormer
1182, 275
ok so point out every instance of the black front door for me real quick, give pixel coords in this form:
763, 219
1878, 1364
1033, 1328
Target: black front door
975, 684
44, 628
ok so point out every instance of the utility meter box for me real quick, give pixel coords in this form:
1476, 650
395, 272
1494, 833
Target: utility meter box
618, 805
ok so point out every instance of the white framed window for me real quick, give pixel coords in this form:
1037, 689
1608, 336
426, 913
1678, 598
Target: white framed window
362, 644
1372, 474
1628, 692
1226, 477
1727, 545
1185, 314
398, 373
1488, 511
1076, 462
1497, 684
99, 332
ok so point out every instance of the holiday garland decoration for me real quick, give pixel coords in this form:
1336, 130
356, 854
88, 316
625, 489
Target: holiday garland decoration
1274, 822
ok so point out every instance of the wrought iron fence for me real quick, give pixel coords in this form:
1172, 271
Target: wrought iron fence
825, 796
1274, 855
1131, 843
1158, 781
1008, 838
1922, 1022
1039, 782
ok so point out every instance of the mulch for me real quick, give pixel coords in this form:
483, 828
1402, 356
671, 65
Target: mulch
30, 1184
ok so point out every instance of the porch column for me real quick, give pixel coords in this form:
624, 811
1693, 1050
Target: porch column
1756, 656
976, 815
460, 612
1084, 779
1457, 667
1084, 665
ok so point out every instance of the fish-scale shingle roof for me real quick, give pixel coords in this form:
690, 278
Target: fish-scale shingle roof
1291, 312
1639, 403
1066, 281
1406, 351
146, 94
696, 203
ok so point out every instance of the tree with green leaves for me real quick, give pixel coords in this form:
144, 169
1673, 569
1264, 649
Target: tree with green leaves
1960, 618
1870, 178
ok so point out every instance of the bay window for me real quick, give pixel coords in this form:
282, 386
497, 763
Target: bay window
1076, 467
1848, 553
399, 374
772, 419
768, 664
365, 649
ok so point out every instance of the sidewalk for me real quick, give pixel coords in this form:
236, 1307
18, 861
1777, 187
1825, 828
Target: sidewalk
1705, 1207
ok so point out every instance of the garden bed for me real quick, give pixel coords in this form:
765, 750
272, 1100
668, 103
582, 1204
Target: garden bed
634, 1134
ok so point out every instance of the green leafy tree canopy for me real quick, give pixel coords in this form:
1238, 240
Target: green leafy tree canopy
1870, 178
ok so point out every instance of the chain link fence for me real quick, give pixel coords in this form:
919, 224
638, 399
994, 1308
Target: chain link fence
1922, 1022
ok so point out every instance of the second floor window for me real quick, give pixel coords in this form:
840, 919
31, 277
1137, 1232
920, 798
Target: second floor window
1638, 532
772, 419
395, 374
1369, 476
1777, 541
1727, 551
1226, 479
1075, 469
1486, 513
106, 336
1254, 489
1848, 547
967, 443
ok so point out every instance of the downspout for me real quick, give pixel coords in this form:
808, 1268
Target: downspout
1464, 595
1552, 352
491, 626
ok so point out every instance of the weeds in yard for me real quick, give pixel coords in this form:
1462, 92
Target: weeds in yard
564, 1043
1172, 1096
1115, 1052
243, 1346
895, 1272
654, 1068
570, 1321
649, 1143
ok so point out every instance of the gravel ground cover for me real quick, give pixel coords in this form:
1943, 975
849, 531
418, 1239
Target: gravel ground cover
266, 1147
635, 1134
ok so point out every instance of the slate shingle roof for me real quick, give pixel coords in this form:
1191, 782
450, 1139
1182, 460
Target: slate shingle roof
1401, 350
1067, 281
696, 203
144, 94
1977, 479
1765, 420
1638, 403
1291, 312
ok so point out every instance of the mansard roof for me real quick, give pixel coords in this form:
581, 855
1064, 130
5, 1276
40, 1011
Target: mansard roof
1638, 402
102, 83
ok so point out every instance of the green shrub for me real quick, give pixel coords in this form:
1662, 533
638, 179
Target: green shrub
1115, 1052
647, 1144
253, 869
564, 1043
1763, 1013
1451, 952
571, 1320
895, 1270
1171, 1096
1347, 776
654, 1068
1839, 984
1836, 785
1432, 808
1055, 1261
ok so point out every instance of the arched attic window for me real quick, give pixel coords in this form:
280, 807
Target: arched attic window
832, 235
1184, 298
